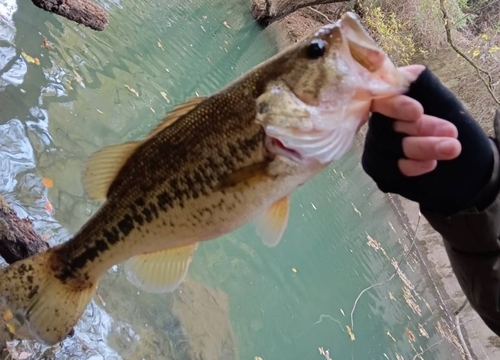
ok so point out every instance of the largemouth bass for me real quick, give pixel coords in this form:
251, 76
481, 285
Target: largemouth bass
211, 166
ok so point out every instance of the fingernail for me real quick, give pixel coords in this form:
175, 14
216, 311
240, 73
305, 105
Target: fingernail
446, 147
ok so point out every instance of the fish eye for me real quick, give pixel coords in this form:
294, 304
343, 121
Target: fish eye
316, 49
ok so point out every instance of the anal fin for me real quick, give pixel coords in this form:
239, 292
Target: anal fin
161, 271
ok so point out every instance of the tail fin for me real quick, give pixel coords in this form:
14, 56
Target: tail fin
51, 308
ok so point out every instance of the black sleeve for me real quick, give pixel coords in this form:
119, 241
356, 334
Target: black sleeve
472, 242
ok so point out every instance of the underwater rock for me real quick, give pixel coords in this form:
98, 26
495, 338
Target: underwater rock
83, 12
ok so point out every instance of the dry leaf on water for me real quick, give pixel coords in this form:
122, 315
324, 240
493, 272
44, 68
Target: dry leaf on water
132, 90
30, 59
48, 182
160, 45
46, 44
165, 96
351, 334
411, 337
48, 206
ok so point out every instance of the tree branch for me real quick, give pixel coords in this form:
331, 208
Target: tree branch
488, 82
268, 11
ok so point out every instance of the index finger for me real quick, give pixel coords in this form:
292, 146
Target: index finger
400, 107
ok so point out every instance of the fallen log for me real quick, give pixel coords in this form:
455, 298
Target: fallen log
84, 12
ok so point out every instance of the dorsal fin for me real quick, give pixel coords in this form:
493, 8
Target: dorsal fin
176, 113
104, 165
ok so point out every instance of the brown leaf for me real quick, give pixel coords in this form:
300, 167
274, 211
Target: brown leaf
46, 44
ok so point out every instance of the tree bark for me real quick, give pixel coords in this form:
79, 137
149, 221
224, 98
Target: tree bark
83, 12
267, 11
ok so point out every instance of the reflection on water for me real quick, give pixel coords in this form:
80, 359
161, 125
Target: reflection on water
242, 300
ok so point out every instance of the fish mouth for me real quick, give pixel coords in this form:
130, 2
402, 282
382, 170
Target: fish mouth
365, 51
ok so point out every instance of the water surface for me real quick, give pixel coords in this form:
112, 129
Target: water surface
243, 300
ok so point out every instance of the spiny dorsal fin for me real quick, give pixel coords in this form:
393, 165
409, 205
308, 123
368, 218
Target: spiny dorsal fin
176, 113
104, 165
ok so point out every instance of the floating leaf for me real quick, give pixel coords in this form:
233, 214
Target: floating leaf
48, 206
160, 45
30, 59
7, 315
422, 331
325, 353
132, 90
257, 358
46, 44
99, 111
294, 270
351, 334
79, 79
391, 296
389, 334
11, 328
165, 96
356, 210
411, 337
48, 182
24, 355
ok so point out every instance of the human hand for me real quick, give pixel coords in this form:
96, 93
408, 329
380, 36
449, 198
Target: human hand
430, 138
426, 147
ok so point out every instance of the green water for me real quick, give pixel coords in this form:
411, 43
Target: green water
282, 303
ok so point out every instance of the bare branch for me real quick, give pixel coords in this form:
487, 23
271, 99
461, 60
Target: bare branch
488, 82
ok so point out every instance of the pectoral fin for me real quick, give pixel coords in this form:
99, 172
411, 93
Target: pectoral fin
272, 223
161, 271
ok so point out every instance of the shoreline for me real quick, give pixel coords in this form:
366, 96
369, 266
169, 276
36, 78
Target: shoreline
480, 341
